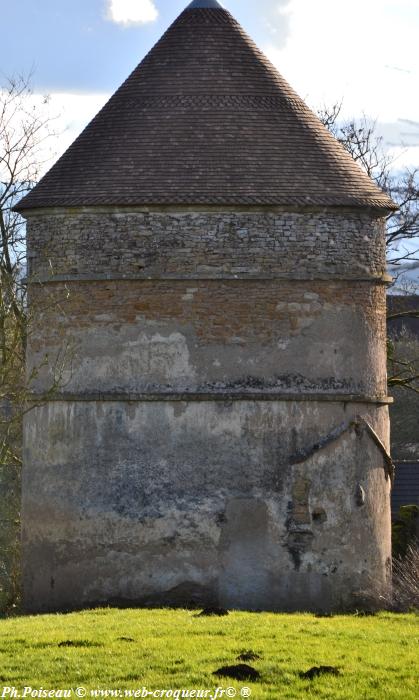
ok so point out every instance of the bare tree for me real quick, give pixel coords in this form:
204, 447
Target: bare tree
25, 132
360, 139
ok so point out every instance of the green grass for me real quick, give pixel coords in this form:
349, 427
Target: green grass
173, 649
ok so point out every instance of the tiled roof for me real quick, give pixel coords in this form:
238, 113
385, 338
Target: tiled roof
205, 119
406, 486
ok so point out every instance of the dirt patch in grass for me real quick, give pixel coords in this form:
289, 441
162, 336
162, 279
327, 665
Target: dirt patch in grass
248, 655
316, 671
240, 672
216, 612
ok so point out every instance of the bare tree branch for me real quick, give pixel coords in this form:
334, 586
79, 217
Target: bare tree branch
24, 132
360, 139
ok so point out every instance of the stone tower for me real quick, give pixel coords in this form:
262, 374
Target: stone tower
212, 264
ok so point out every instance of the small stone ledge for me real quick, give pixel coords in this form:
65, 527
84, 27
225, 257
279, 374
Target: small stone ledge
188, 208
209, 396
290, 277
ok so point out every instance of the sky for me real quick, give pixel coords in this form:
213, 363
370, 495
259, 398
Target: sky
363, 52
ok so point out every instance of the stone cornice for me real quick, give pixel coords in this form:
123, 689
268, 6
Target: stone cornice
207, 396
66, 211
289, 277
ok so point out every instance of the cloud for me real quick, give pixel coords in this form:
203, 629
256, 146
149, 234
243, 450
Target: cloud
275, 19
331, 54
70, 113
128, 12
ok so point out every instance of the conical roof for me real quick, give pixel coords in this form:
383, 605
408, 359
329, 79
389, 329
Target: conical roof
205, 119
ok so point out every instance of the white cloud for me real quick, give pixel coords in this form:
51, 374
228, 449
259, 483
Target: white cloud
363, 51
70, 113
132, 11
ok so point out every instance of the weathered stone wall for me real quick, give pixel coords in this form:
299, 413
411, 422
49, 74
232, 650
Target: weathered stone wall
204, 502
222, 433
214, 336
198, 244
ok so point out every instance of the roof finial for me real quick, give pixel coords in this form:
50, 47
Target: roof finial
195, 4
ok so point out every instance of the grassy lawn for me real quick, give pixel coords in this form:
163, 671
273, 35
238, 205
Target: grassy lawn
378, 656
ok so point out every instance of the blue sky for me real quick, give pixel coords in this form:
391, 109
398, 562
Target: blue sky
73, 46
364, 51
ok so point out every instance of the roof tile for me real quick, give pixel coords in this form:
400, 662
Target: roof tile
205, 119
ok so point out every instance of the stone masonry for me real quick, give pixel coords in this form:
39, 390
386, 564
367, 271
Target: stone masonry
207, 347
199, 244
205, 446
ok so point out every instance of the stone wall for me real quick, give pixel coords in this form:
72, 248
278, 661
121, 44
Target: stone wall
221, 433
246, 504
213, 336
207, 243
